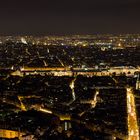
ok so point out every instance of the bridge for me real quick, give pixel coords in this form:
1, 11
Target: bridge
67, 71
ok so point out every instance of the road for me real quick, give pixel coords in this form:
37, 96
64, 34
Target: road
133, 129
72, 86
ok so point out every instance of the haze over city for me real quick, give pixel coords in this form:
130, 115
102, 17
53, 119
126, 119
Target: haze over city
51, 17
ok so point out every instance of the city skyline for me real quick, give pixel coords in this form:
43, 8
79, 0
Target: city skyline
70, 70
70, 87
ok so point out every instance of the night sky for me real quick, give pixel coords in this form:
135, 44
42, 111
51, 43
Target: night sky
62, 17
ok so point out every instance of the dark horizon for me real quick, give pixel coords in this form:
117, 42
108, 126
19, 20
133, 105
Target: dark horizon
51, 17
